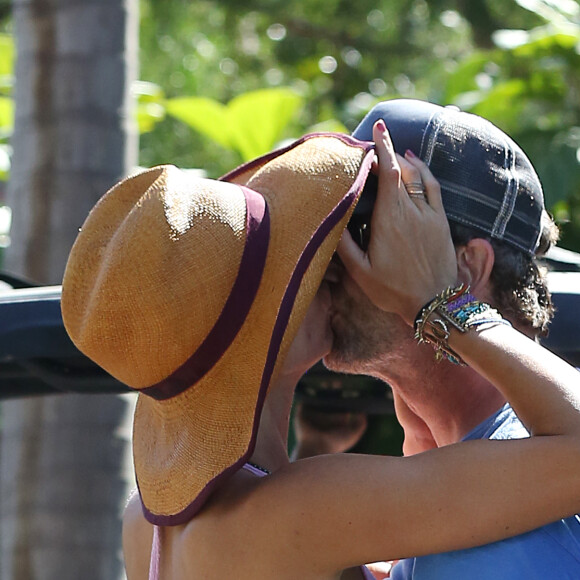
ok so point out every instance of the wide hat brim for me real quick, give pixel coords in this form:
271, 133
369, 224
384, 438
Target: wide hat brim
199, 406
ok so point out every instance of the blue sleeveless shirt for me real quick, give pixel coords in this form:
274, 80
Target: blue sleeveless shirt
551, 552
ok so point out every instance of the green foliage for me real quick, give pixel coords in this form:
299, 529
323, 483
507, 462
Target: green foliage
6, 115
223, 81
6, 55
150, 109
529, 85
206, 115
515, 62
6, 102
250, 124
340, 58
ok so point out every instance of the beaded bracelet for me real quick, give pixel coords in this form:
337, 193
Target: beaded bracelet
455, 307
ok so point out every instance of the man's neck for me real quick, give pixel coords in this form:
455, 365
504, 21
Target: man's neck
438, 403
271, 448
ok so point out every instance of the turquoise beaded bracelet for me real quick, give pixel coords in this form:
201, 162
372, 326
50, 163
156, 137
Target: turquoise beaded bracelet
455, 307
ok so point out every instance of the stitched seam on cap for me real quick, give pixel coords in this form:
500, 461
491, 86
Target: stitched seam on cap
473, 195
507, 239
430, 134
464, 191
510, 194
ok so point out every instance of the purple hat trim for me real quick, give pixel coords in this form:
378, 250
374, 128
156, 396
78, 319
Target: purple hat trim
235, 309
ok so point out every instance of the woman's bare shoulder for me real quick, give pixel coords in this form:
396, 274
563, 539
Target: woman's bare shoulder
133, 515
133, 504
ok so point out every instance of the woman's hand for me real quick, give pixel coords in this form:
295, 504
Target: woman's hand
410, 256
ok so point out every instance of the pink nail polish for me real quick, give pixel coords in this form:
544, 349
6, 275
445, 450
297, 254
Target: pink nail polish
381, 125
410, 154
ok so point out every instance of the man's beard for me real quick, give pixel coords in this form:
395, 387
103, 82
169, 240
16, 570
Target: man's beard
364, 335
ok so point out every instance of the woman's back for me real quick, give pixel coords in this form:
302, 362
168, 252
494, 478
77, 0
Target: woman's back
225, 540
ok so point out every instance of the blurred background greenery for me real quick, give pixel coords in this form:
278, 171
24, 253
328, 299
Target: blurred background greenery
222, 82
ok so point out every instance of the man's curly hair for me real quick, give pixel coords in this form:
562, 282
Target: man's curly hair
519, 281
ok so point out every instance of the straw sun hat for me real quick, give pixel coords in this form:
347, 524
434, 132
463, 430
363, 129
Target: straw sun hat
191, 290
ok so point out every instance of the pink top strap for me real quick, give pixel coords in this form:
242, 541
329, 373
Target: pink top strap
155, 554
254, 469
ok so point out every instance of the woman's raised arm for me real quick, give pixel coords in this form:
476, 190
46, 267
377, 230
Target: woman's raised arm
343, 510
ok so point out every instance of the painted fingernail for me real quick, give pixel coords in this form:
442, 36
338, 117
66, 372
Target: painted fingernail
410, 154
381, 125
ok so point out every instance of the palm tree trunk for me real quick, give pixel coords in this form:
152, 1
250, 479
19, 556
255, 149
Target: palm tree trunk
64, 459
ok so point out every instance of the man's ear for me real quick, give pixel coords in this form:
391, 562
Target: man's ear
475, 261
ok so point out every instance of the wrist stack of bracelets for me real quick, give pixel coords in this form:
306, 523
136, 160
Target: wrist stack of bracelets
454, 307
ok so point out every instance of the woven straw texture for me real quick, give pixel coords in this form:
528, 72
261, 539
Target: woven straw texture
149, 276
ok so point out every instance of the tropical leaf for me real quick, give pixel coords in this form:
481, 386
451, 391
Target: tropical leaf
205, 115
6, 55
547, 40
259, 119
6, 116
148, 115
150, 105
250, 124
146, 91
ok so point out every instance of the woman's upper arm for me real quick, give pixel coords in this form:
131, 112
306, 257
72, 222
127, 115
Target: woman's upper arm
340, 511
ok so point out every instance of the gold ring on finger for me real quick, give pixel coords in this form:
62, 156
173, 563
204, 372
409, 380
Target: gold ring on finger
415, 187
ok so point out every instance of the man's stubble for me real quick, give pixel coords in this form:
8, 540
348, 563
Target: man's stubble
365, 337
